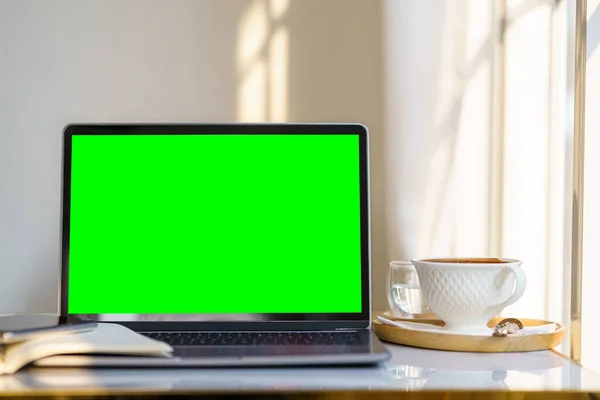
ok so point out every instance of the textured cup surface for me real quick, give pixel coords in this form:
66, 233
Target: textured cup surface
467, 293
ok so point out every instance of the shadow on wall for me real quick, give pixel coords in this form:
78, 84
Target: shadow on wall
439, 102
462, 136
462, 63
593, 32
317, 61
437, 115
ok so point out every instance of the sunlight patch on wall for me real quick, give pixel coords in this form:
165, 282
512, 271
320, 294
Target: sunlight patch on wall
278, 8
263, 62
278, 75
252, 95
253, 33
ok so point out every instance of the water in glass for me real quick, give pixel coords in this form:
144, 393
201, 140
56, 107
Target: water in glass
403, 290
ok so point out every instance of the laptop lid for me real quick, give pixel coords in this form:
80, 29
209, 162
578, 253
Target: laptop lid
231, 226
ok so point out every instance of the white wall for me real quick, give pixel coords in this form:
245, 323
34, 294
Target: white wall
179, 60
438, 103
475, 143
590, 346
527, 199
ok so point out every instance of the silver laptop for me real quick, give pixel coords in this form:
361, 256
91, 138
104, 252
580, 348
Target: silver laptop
238, 244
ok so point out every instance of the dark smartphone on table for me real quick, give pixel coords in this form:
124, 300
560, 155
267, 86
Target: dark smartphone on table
16, 328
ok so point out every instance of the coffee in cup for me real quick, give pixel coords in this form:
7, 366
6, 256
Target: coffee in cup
468, 292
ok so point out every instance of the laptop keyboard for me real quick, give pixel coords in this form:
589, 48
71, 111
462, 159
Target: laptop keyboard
256, 338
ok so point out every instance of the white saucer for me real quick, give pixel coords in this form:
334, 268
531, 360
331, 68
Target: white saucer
423, 327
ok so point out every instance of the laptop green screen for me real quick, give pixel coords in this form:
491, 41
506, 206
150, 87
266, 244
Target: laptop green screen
207, 224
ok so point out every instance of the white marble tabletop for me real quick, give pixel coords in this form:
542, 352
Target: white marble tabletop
408, 369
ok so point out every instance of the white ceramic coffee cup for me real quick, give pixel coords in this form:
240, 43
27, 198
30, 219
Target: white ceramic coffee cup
467, 292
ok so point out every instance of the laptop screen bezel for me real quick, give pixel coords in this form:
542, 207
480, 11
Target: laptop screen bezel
232, 321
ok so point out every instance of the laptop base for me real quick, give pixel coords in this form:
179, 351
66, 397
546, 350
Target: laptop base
372, 352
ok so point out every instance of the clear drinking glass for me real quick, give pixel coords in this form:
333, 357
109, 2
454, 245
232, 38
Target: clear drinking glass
403, 291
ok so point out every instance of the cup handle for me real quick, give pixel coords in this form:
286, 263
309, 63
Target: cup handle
520, 285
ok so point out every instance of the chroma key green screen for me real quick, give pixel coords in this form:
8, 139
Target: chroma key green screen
178, 224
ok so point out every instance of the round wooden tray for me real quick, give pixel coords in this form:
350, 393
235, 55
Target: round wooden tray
471, 343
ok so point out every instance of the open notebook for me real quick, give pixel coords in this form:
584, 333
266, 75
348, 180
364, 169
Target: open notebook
105, 339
